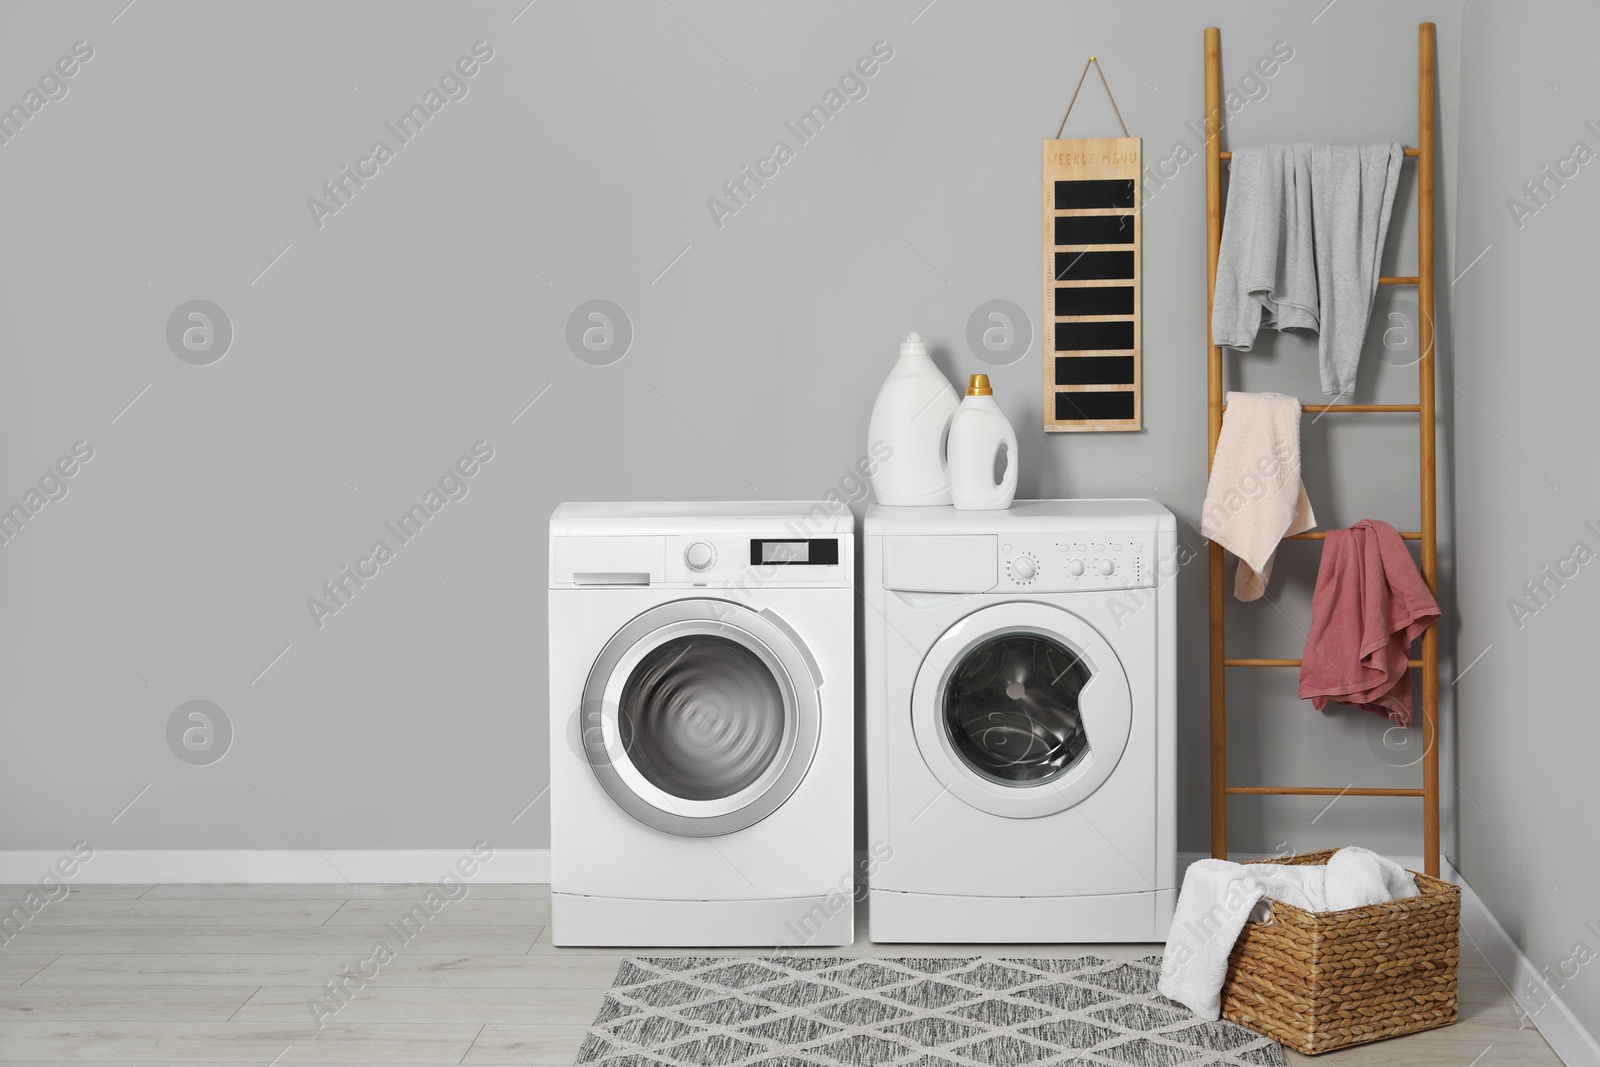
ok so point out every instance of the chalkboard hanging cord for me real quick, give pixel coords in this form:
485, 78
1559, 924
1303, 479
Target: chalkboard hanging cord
1074, 100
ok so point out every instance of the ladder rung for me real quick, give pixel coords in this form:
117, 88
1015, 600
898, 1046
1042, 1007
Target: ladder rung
1349, 408
1285, 663
1355, 409
1412, 152
1322, 535
1401, 280
1318, 791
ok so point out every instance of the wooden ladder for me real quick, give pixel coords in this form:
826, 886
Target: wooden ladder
1424, 409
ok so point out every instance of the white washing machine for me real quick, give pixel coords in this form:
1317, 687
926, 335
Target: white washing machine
1021, 722
702, 710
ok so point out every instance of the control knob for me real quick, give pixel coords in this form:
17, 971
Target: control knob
1075, 567
700, 555
1108, 567
1024, 569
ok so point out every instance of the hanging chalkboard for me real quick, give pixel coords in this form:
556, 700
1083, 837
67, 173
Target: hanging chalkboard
1092, 365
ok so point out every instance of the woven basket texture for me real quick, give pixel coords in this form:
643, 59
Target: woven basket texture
1319, 981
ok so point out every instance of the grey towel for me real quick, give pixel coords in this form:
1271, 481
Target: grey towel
1266, 273
1352, 196
1301, 247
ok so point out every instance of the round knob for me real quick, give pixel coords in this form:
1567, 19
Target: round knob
1075, 567
1023, 568
1108, 567
699, 555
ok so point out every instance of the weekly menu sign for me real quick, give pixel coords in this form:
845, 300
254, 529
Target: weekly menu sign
1092, 369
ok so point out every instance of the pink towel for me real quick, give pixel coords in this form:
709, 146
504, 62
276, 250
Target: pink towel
1370, 604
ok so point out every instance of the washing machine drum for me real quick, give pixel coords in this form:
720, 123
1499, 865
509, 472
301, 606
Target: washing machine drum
1022, 709
701, 716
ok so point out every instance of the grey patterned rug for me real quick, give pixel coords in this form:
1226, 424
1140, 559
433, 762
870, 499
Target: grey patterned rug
834, 1011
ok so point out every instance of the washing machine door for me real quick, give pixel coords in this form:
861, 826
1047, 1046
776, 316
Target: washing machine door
1021, 709
701, 716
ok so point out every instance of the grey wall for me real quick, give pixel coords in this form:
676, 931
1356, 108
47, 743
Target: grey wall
429, 311
1526, 380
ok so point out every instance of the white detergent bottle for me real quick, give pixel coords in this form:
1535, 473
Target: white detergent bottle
907, 434
978, 433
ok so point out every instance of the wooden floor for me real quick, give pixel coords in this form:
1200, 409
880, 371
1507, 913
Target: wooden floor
226, 974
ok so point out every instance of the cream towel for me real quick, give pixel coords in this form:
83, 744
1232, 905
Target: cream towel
1255, 496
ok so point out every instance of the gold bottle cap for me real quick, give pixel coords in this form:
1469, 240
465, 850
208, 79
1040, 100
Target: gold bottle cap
978, 385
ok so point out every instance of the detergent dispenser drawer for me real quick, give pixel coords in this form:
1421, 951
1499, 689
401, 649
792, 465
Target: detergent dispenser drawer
955, 563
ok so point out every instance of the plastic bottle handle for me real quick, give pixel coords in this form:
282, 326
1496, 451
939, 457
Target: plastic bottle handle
944, 446
1006, 436
1008, 481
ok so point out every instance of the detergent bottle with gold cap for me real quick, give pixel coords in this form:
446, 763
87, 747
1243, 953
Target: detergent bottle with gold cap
981, 439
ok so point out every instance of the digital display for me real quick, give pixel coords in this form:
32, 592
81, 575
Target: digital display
804, 552
785, 551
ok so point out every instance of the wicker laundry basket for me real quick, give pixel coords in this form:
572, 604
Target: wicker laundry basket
1327, 980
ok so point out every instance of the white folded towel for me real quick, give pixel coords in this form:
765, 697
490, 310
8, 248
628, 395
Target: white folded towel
1357, 877
1255, 496
1219, 897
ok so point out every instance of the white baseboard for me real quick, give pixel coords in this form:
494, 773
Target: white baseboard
152, 866
1544, 1008
1542, 1005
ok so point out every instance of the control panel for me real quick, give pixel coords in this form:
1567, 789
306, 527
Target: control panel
731, 562
1064, 564
721, 563
1032, 560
